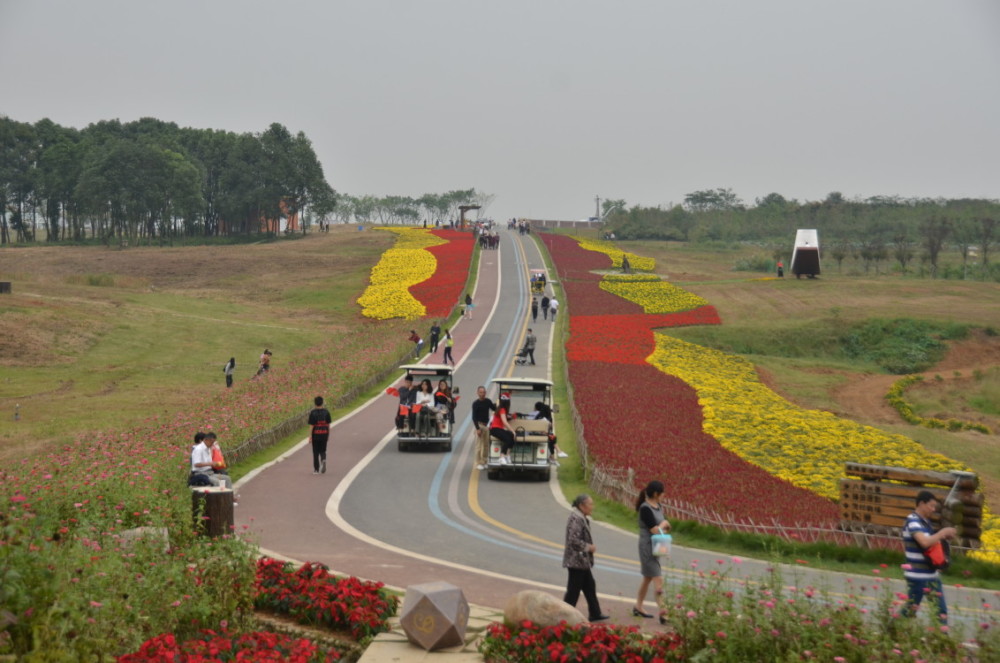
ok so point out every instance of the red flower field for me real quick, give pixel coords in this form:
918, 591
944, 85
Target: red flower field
635, 416
440, 293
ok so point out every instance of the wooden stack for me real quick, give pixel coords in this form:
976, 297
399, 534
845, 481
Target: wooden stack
879, 500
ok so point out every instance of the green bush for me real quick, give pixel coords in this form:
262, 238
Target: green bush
900, 346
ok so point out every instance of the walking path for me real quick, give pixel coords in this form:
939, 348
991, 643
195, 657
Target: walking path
410, 518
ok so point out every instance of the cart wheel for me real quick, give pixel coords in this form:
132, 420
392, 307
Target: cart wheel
402, 445
492, 475
546, 475
447, 445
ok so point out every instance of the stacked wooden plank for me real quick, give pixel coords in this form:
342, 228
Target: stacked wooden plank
880, 498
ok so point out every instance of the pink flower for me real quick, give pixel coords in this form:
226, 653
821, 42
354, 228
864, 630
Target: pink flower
691, 614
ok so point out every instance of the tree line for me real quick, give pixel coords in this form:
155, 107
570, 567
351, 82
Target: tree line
151, 180
400, 210
878, 231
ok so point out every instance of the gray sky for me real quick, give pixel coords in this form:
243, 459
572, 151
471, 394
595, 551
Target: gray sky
546, 103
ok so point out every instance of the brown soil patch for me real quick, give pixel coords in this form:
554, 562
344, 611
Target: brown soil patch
864, 399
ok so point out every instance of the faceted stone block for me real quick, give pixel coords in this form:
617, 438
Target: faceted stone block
434, 615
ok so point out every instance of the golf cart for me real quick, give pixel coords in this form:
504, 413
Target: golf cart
538, 280
423, 426
530, 453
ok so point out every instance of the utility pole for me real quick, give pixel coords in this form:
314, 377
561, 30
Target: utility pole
597, 212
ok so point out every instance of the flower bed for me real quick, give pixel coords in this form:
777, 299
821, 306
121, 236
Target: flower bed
615, 254
441, 292
404, 265
636, 416
213, 647
905, 410
312, 596
64, 513
805, 447
654, 296
582, 643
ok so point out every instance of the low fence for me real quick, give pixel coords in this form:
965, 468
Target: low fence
272, 436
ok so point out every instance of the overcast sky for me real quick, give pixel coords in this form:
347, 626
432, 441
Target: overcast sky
546, 103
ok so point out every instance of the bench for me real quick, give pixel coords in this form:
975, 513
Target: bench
531, 430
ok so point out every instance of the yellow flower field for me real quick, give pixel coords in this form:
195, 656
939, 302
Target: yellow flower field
805, 447
406, 264
652, 294
637, 262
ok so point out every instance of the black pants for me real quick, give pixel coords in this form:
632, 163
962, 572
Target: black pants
531, 353
583, 580
447, 355
506, 439
434, 343
229, 381
319, 451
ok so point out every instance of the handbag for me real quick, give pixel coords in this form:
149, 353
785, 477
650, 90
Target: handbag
661, 545
938, 556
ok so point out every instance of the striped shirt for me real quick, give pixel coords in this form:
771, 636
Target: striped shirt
919, 568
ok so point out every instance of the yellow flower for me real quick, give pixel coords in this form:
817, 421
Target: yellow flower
406, 264
637, 262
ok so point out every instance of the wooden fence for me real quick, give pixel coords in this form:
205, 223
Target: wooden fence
272, 436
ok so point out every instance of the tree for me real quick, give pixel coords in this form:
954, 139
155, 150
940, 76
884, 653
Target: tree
935, 231
713, 200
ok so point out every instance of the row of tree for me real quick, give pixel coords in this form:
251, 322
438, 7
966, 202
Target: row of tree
394, 210
874, 230
151, 179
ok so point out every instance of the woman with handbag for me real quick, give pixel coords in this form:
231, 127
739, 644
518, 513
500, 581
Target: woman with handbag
651, 522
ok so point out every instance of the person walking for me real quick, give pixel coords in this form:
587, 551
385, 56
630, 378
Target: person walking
468, 306
481, 408
918, 536
553, 308
529, 345
578, 558
449, 343
651, 521
534, 309
229, 369
319, 419
545, 307
435, 337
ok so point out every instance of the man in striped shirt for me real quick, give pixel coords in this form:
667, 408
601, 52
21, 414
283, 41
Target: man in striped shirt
918, 536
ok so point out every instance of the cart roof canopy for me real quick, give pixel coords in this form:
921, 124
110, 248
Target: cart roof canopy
530, 384
427, 369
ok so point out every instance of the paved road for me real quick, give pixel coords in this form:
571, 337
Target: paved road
414, 517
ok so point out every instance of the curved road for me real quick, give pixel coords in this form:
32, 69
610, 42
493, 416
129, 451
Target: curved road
415, 517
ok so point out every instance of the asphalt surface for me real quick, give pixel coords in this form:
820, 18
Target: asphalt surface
412, 517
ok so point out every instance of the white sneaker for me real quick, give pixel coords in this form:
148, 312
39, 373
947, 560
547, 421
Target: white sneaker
553, 461
563, 454
504, 460
480, 467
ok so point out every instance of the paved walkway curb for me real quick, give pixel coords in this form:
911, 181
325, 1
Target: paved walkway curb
393, 647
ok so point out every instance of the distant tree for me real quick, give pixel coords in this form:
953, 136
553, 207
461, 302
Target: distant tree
986, 230
712, 200
935, 231
902, 247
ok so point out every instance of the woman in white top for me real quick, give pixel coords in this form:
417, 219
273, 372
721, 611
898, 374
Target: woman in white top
425, 399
